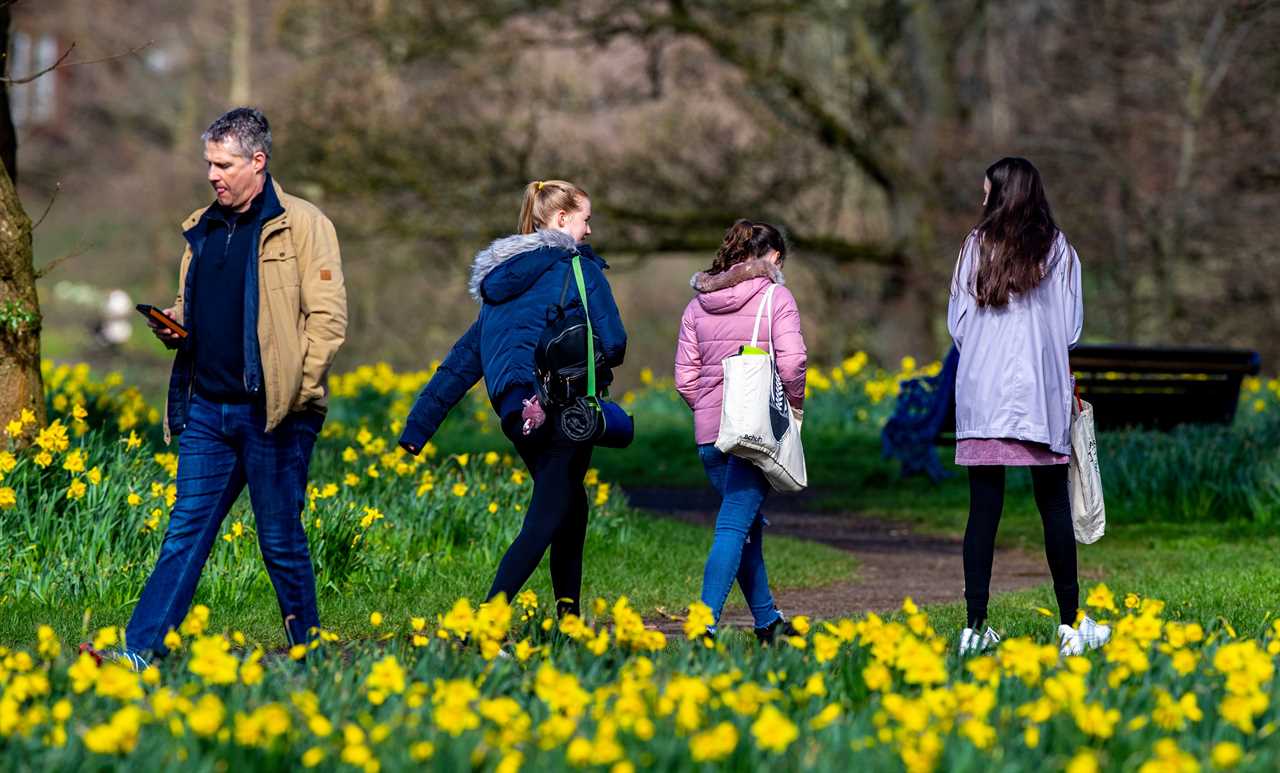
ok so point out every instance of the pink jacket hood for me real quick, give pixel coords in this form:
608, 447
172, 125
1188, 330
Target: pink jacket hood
718, 322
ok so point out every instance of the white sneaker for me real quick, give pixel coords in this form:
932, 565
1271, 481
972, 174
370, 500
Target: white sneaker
1093, 633
972, 642
1072, 642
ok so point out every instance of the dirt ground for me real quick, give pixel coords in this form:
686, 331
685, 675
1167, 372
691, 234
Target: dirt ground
894, 561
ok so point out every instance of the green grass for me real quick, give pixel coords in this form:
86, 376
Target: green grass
400, 535
62, 557
658, 565
1203, 571
664, 454
1220, 565
430, 551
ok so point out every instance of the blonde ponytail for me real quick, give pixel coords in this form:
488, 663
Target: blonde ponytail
544, 198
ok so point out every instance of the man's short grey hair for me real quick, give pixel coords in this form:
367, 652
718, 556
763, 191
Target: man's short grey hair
248, 128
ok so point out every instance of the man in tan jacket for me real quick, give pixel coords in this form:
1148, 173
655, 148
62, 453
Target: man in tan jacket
264, 307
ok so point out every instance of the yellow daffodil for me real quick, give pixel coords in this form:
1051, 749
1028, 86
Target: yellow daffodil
773, 731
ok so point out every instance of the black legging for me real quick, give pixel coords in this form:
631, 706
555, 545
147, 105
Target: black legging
986, 501
557, 516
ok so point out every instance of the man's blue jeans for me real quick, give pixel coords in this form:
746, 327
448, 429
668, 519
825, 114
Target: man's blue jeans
222, 449
737, 550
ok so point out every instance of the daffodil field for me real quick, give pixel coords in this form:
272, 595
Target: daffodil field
409, 674
507, 687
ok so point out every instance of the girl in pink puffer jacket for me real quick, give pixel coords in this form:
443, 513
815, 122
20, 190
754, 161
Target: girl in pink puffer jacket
716, 324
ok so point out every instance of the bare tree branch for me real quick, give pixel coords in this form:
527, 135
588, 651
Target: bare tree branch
828, 128
784, 90
47, 268
45, 71
62, 63
56, 188
701, 231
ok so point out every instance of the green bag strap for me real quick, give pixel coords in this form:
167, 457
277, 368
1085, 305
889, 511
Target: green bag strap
591, 342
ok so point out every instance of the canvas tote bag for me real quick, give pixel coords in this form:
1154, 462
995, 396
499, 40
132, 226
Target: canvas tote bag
756, 421
1088, 514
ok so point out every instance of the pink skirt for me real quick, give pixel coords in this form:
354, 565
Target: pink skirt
1005, 452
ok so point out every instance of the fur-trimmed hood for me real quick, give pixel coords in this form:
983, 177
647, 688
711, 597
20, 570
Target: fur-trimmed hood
718, 322
728, 291
705, 282
502, 250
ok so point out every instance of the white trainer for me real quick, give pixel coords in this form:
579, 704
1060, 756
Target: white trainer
971, 642
1072, 642
1094, 633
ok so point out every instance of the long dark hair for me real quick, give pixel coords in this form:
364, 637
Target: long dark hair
745, 241
1015, 234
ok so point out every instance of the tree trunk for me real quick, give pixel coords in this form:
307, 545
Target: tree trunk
21, 386
8, 137
909, 300
241, 53
20, 383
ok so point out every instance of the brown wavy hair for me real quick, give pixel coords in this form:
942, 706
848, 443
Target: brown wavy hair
745, 241
1015, 234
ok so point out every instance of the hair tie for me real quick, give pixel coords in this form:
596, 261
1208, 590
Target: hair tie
540, 184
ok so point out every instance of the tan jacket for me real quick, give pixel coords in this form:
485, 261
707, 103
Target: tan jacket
302, 306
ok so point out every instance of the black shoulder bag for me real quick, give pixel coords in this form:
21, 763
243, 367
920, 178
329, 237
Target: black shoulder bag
566, 383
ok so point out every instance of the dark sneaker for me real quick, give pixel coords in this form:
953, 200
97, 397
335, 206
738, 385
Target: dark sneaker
767, 634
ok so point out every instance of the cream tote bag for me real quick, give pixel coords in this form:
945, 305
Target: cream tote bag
1088, 514
756, 421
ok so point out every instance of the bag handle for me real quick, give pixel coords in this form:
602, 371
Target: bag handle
591, 342
766, 303
564, 290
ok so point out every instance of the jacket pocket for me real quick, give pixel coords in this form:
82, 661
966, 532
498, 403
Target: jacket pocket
280, 264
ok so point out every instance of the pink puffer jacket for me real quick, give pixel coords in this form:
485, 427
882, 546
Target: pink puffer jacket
718, 322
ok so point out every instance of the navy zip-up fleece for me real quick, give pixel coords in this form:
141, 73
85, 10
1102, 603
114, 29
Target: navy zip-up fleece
220, 278
181, 380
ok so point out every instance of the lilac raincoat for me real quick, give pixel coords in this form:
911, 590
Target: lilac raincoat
1014, 379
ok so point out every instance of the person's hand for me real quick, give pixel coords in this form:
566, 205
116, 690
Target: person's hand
411, 448
165, 335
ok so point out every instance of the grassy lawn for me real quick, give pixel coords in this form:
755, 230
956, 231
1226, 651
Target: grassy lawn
1203, 570
657, 564
434, 554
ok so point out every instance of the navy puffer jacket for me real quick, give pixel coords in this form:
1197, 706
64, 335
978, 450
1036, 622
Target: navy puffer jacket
517, 280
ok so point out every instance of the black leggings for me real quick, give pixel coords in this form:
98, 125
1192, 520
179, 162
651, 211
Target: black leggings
557, 516
986, 501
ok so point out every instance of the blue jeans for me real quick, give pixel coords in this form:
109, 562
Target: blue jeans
737, 550
222, 449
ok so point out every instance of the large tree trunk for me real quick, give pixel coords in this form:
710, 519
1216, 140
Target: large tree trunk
20, 383
910, 299
8, 137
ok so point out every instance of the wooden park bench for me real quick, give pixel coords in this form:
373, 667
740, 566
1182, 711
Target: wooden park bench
1129, 386
1161, 387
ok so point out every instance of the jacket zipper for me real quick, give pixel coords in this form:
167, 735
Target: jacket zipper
231, 231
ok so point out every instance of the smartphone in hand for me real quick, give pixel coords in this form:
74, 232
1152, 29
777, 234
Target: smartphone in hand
158, 317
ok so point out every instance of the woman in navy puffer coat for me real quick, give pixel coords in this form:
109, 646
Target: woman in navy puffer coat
517, 280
